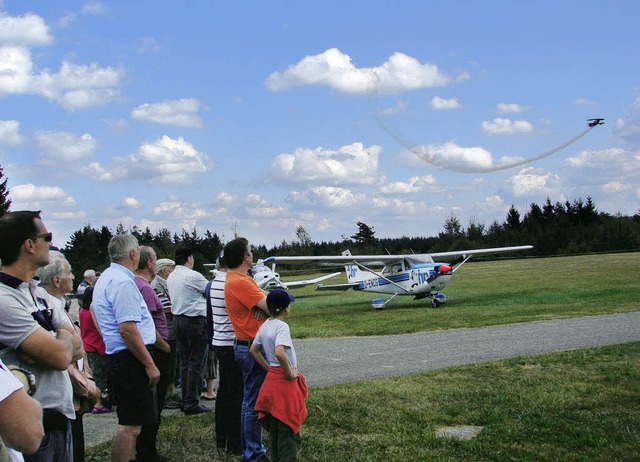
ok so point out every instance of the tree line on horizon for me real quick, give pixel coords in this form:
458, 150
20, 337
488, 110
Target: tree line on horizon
560, 228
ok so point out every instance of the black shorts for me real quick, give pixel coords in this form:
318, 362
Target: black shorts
129, 390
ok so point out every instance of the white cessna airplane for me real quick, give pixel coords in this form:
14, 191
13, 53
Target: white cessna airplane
412, 274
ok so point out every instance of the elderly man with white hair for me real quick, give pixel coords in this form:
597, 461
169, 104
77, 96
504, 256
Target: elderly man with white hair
164, 267
89, 278
129, 336
57, 279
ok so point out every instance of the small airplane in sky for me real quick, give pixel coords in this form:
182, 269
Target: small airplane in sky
412, 274
594, 122
267, 278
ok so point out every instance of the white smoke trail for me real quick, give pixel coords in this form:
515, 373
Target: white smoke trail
453, 157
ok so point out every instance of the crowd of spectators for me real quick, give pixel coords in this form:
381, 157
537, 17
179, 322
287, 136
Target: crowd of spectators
140, 329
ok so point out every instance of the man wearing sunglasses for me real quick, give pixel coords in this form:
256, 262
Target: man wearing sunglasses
34, 333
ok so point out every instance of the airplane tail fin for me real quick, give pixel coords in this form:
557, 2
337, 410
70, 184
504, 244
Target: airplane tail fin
353, 273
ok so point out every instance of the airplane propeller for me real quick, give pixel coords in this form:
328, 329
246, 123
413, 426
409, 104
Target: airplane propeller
440, 271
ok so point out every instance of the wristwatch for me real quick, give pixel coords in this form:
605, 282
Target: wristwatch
31, 379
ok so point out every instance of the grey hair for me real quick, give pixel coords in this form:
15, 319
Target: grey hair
53, 269
89, 273
120, 245
146, 253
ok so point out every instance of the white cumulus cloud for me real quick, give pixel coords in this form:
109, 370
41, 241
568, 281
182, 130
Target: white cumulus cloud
500, 126
180, 113
166, 160
63, 147
350, 164
531, 182
604, 159
10, 132
30, 196
457, 158
336, 70
73, 86
413, 185
327, 196
131, 203
26, 30
510, 108
441, 104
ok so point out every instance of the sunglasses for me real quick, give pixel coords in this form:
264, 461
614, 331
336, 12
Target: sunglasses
48, 237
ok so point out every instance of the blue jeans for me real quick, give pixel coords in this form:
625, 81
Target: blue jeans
250, 430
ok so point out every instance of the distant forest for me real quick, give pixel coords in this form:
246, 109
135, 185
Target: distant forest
553, 229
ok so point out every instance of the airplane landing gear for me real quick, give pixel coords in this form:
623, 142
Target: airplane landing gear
438, 299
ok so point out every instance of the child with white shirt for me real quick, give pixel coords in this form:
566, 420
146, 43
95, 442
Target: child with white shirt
280, 403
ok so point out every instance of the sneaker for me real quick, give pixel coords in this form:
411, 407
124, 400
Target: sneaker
197, 410
172, 403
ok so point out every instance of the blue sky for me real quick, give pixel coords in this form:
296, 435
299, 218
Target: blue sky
258, 117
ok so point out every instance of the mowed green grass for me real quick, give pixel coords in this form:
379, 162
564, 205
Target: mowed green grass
479, 294
574, 406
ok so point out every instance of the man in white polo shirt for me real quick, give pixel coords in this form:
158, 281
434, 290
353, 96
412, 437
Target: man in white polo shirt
186, 288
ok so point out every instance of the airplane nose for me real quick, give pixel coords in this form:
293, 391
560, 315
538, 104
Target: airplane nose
444, 269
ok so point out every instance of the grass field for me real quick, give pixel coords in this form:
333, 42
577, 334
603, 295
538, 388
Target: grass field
576, 406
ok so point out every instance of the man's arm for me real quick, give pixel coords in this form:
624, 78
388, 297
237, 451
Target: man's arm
45, 349
161, 344
21, 422
261, 310
133, 340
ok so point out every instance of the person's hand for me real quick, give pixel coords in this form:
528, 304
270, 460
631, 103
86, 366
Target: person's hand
164, 346
294, 374
154, 375
259, 314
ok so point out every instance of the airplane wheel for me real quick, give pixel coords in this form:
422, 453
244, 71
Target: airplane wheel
435, 303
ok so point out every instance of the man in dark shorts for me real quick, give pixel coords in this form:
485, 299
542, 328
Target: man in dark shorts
129, 336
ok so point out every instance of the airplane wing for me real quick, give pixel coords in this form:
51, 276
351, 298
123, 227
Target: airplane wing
306, 282
457, 253
390, 258
346, 286
333, 258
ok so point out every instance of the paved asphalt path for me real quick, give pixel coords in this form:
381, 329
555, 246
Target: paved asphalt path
326, 362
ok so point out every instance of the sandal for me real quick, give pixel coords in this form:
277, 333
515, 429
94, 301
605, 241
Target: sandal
101, 410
